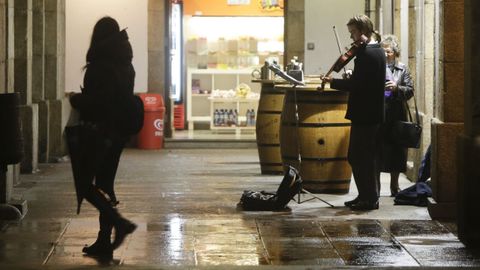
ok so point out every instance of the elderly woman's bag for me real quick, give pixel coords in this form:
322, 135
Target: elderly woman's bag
407, 133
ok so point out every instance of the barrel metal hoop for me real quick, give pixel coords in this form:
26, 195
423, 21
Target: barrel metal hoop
269, 112
315, 159
273, 92
310, 101
313, 125
268, 144
271, 164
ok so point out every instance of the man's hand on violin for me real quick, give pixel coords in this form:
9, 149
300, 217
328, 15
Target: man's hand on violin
391, 86
326, 79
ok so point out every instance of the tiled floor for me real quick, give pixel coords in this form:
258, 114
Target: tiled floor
184, 202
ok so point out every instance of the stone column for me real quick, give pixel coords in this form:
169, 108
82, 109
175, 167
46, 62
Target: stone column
294, 30
23, 82
54, 76
6, 82
3, 45
5, 179
38, 82
469, 142
9, 174
448, 124
157, 54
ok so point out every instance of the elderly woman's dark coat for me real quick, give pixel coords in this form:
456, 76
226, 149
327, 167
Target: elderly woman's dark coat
394, 157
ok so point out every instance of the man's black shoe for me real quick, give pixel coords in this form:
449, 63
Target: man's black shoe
352, 202
364, 206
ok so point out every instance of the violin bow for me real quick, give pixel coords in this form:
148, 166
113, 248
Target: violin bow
338, 44
340, 50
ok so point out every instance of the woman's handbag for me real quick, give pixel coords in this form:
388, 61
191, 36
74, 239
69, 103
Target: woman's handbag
407, 133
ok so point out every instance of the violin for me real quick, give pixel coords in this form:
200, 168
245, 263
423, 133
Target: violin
345, 58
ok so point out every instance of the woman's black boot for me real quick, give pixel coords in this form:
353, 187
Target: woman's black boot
101, 248
103, 245
122, 226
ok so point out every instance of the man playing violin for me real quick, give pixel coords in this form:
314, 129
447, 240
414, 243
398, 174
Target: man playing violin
365, 110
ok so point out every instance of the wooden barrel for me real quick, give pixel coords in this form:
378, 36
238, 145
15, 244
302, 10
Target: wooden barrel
11, 139
322, 139
268, 128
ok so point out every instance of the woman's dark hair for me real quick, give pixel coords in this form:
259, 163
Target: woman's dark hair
109, 43
104, 28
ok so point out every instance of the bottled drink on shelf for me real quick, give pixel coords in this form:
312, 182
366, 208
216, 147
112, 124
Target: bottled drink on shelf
230, 118
224, 117
235, 117
216, 117
252, 115
248, 117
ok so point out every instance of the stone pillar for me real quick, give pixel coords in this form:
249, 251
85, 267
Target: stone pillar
54, 78
468, 154
5, 180
449, 123
38, 76
158, 82
3, 45
419, 56
423, 49
294, 30
6, 77
23, 81
371, 10
23, 50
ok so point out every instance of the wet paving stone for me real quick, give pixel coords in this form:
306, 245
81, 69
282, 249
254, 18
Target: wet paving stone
289, 227
353, 228
432, 250
375, 255
185, 205
414, 227
352, 241
230, 259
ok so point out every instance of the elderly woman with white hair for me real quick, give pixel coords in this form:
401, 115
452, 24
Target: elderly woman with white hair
398, 89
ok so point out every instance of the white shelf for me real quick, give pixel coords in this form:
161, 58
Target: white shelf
220, 71
199, 106
226, 100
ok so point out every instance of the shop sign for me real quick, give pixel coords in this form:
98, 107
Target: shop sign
238, 2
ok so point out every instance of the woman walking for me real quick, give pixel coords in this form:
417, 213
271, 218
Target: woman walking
109, 79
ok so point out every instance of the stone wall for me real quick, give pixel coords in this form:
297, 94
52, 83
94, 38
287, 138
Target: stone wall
468, 144
294, 30
11, 176
33, 65
157, 55
448, 123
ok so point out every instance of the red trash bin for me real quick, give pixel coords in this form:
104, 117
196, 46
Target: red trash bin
151, 135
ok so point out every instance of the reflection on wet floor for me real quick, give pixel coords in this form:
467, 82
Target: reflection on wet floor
191, 219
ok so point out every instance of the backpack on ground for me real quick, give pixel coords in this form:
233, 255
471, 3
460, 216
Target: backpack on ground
267, 201
414, 195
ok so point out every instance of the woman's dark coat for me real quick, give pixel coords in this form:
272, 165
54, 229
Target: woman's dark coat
394, 157
109, 77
